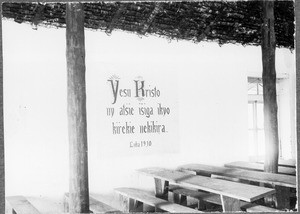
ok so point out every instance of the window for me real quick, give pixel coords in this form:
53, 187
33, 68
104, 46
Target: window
255, 117
256, 135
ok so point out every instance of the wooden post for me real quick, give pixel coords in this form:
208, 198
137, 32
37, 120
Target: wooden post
2, 170
297, 13
269, 88
77, 127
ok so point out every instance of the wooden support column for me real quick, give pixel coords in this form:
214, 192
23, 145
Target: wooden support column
297, 13
2, 170
77, 127
269, 88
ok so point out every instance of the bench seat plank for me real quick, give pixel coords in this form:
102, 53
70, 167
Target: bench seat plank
216, 199
259, 167
286, 163
98, 206
21, 205
264, 177
151, 200
239, 191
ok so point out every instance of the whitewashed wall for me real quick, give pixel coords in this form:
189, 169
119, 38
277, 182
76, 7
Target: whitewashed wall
212, 102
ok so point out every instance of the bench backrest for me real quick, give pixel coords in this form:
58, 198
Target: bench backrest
21, 205
264, 177
226, 188
259, 167
151, 200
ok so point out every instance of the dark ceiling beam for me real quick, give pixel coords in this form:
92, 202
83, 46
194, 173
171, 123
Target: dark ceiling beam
115, 19
208, 27
179, 26
205, 32
155, 11
38, 10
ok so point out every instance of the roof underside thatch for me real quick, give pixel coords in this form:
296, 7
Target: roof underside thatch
222, 21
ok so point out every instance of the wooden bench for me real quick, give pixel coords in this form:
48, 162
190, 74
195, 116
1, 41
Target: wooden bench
20, 205
132, 200
286, 163
259, 167
214, 199
282, 183
248, 175
95, 206
230, 192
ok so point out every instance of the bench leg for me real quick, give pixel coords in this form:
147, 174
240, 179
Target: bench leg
201, 205
130, 205
183, 200
268, 200
137, 206
193, 203
281, 200
126, 204
282, 197
176, 198
161, 188
230, 204
179, 199
171, 197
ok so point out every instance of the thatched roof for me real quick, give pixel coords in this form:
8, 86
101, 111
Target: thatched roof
224, 21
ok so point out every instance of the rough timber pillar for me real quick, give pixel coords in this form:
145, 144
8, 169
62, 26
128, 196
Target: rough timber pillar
2, 171
77, 127
269, 88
